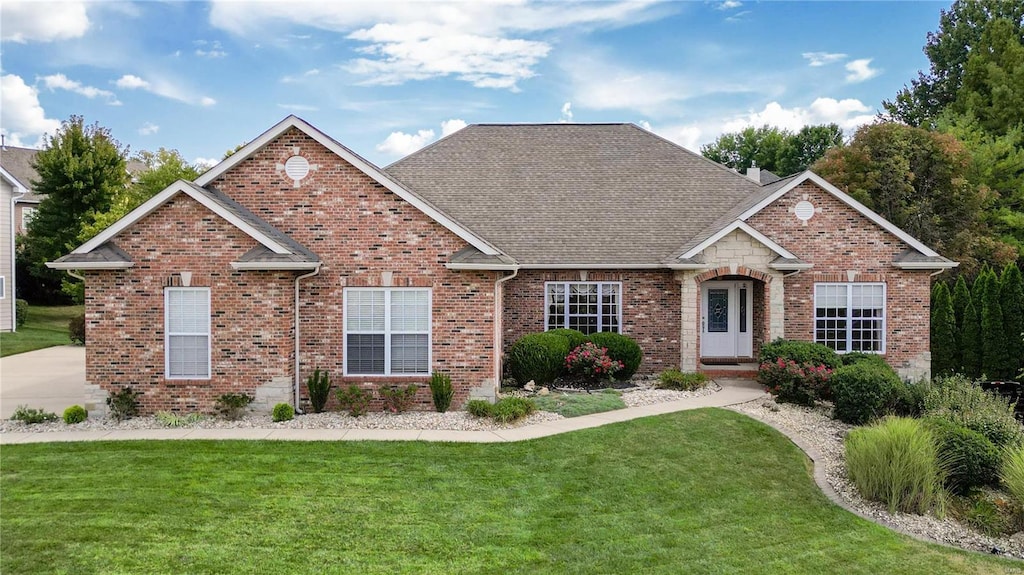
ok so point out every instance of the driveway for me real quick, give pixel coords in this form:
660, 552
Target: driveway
52, 379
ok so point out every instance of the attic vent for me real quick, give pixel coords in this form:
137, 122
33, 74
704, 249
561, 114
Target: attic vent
804, 210
296, 167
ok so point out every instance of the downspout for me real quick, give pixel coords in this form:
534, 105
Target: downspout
14, 269
497, 328
298, 363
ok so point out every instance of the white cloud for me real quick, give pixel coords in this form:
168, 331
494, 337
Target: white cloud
451, 126
216, 50
729, 5
566, 112
62, 82
22, 118
739, 16
686, 135
148, 129
306, 74
486, 44
205, 162
163, 87
817, 59
298, 107
645, 125
25, 22
402, 144
848, 113
860, 70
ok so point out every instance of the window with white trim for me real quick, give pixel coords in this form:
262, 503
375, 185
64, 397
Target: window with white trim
589, 307
3, 287
187, 337
27, 214
850, 316
387, 331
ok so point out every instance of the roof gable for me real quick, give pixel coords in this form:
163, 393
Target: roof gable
359, 163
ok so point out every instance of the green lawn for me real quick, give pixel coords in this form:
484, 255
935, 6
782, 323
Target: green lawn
707, 491
46, 326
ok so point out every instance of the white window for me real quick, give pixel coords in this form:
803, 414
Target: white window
387, 331
3, 287
187, 327
850, 317
27, 214
589, 307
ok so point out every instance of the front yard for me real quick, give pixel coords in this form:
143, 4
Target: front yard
46, 326
707, 491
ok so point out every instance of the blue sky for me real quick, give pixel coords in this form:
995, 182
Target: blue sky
385, 78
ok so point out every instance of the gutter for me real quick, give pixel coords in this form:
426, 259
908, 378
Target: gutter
497, 327
14, 269
298, 363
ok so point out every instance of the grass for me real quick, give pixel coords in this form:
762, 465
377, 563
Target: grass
577, 404
45, 326
705, 491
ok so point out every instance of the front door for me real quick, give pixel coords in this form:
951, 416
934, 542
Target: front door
726, 329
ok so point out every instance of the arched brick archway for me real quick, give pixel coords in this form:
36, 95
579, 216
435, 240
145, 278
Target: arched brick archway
760, 311
737, 271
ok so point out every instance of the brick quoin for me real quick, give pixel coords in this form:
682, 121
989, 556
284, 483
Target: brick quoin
838, 240
357, 227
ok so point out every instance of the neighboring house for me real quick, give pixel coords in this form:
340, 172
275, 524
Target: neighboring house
17, 205
295, 253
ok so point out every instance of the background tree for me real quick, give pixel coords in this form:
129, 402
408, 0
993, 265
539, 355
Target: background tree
994, 361
943, 327
1011, 297
961, 299
971, 341
774, 149
808, 146
80, 170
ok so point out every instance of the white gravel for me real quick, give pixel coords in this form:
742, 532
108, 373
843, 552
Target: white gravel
818, 429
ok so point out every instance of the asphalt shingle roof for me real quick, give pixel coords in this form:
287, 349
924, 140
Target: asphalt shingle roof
18, 163
574, 193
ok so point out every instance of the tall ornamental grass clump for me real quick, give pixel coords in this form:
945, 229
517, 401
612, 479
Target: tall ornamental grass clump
896, 462
1012, 473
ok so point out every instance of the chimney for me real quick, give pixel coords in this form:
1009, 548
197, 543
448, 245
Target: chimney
754, 173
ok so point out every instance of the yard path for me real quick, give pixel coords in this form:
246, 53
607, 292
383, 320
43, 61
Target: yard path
51, 379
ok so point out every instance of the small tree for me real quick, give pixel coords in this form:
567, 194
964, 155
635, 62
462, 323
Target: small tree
994, 361
943, 327
1011, 287
961, 298
971, 341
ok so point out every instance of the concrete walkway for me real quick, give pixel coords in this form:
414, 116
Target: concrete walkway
52, 379
734, 391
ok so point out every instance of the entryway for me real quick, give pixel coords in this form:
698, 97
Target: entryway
726, 320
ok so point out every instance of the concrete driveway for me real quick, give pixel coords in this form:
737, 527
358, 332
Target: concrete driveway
52, 379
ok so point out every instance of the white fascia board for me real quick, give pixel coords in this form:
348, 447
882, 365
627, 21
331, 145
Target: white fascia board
271, 266
362, 165
738, 225
846, 199
15, 182
158, 200
89, 265
482, 267
925, 265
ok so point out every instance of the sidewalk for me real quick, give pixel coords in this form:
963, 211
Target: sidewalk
734, 391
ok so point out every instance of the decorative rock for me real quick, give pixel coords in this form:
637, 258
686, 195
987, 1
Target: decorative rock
530, 385
543, 391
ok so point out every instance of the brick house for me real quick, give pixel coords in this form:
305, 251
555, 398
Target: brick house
295, 253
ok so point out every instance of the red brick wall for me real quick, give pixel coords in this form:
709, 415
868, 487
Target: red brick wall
839, 239
650, 312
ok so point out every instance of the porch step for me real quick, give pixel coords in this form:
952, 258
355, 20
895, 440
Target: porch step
737, 368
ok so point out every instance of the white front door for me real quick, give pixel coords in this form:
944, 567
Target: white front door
726, 327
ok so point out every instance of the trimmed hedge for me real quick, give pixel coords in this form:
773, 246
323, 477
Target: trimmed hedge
574, 337
620, 348
864, 391
801, 352
539, 357
968, 457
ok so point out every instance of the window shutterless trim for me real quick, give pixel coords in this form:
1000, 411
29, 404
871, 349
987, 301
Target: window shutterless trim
600, 303
168, 334
3, 287
849, 315
387, 332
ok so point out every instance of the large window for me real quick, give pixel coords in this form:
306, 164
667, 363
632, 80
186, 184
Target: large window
850, 317
387, 331
587, 306
187, 321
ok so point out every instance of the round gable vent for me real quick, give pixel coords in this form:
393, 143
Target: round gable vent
804, 210
296, 167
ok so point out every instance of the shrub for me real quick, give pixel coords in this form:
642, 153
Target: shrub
801, 352
31, 416
124, 404
861, 357
1012, 473
985, 513
479, 408
620, 348
958, 399
170, 419
20, 312
441, 391
574, 337
510, 409
398, 399
354, 399
677, 380
75, 414
232, 405
319, 386
909, 401
591, 364
790, 382
896, 462
538, 357
76, 329
577, 404
863, 391
969, 459
283, 412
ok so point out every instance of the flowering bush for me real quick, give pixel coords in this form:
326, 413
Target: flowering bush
591, 363
790, 382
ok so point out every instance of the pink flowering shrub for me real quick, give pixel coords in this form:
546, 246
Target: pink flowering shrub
790, 382
591, 364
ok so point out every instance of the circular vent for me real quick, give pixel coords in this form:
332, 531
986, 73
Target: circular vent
804, 210
296, 167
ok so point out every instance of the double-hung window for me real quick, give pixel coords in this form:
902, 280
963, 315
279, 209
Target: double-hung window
187, 332
850, 316
589, 307
387, 331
